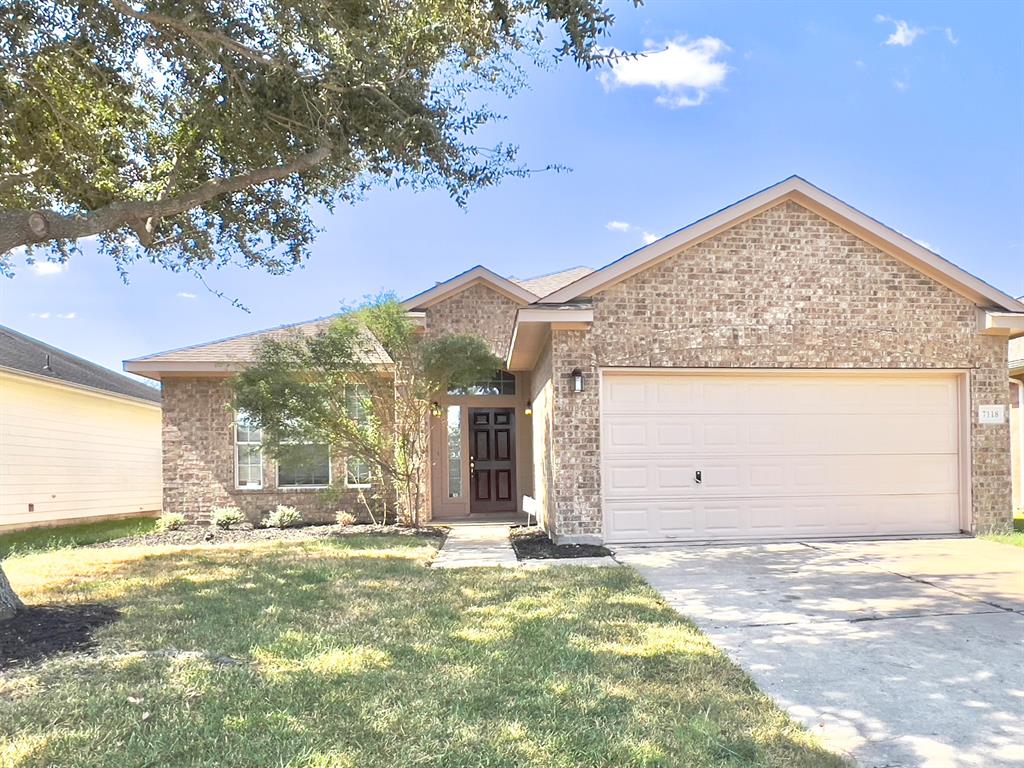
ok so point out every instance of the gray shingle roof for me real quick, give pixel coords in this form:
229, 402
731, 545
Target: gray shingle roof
542, 285
242, 349
23, 353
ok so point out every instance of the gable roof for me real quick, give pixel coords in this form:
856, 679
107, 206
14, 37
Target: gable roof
542, 285
232, 353
811, 197
24, 354
463, 280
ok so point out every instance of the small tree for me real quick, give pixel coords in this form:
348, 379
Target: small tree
365, 385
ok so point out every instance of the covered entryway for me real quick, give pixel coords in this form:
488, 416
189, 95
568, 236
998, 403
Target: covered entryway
730, 454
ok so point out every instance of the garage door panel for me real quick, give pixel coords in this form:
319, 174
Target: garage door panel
781, 394
780, 456
827, 475
756, 434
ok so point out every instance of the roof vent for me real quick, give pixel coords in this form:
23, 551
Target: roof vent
46, 365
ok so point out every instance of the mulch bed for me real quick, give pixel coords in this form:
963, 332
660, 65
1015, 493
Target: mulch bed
533, 543
41, 631
209, 534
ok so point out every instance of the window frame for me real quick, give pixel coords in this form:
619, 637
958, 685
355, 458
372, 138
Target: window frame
448, 445
369, 473
318, 487
355, 394
239, 417
502, 380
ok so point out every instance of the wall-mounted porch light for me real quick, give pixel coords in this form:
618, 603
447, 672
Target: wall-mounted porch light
436, 409
528, 410
577, 380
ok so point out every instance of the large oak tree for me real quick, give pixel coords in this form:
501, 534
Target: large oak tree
192, 132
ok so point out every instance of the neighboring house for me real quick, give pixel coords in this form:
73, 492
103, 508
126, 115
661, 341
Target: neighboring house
786, 367
78, 442
1017, 418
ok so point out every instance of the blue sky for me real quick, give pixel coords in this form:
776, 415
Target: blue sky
910, 112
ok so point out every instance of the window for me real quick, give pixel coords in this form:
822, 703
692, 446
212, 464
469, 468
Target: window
248, 453
502, 383
355, 404
454, 451
357, 473
304, 466
357, 470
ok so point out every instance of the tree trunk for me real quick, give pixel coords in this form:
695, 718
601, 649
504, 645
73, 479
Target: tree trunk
9, 602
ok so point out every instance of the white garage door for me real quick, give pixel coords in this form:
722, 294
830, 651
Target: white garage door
778, 455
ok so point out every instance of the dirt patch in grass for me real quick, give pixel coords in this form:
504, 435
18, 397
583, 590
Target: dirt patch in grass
533, 543
41, 631
209, 534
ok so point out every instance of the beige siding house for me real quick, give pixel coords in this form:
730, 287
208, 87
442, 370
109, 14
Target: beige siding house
787, 367
78, 442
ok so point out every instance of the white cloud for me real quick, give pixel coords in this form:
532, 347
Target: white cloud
48, 267
41, 315
859, 64
649, 238
618, 226
66, 316
58, 315
953, 39
185, 295
684, 71
904, 35
900, 85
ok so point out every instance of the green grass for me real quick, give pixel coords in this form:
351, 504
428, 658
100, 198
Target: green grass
37, 539
356, 654
1015, 539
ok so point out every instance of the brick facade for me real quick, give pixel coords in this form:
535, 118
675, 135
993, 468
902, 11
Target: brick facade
479, 311
199, 460
783, 289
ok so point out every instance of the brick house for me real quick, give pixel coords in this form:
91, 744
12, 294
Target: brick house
784, 368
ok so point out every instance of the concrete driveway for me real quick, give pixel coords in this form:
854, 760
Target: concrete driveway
898, 653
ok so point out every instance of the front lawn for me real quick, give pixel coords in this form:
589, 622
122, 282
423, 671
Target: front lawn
349, 652
58, 537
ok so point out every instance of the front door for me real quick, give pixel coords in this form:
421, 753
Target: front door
492, 460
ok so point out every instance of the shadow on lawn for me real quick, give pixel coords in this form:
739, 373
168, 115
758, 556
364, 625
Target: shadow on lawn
368, 658
42, 631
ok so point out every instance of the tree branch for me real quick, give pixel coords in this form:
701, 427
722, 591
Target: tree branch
199, 35
26, 227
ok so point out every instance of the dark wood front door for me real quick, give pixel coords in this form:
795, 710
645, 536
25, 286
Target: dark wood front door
492, 460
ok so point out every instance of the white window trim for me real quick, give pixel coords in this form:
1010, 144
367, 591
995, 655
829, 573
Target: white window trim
356, 485
330, 475
234, 436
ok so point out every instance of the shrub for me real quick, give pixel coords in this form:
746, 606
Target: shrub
283, 517
345, 518
225, 517
170, 521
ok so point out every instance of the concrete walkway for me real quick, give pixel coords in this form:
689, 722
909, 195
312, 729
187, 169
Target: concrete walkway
477, 545
901, 654
487, 545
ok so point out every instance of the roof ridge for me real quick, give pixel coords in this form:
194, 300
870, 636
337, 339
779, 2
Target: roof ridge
551, 274
187, 347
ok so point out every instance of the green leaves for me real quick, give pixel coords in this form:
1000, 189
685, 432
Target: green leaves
364, 384
109, 103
